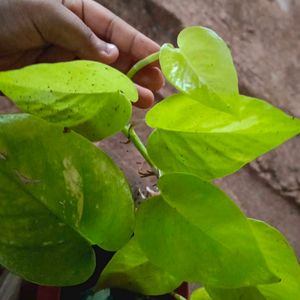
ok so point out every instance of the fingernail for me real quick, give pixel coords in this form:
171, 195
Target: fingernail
110, 49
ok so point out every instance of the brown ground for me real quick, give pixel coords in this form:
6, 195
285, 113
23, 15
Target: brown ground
264, 36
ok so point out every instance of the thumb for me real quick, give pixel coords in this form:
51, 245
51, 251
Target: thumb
60, 27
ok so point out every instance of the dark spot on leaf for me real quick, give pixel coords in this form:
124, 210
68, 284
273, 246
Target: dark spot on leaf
66, 130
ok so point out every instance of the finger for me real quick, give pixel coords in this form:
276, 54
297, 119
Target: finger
150, 78
123, 63
69, 32
19, 60
113, 29
54, 54
146, 97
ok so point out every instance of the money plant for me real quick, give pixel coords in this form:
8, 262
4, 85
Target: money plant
60, 195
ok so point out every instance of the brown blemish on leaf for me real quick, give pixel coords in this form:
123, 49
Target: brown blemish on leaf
3, 156
26, 180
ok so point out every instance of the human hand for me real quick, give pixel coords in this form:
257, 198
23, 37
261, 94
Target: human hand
36, 31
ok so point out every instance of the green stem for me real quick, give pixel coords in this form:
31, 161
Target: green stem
142, 64
130, 133
177, 297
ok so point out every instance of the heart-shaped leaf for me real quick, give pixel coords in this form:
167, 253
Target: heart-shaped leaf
282, 261
201, 65
196, 233
130, 269
209, 143
89, 96
59, 195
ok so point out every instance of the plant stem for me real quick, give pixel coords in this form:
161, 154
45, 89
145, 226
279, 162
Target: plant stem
143, 63
130, 133
177, 296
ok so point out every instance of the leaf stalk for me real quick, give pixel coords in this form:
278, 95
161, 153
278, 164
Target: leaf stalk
142, 64
130, 133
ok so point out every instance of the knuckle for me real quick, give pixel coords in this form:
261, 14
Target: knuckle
89, 35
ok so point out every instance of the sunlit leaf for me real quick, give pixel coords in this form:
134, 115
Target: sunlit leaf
209, 143
195, 232
201, 65
130, 269
282, 261
280, 258
89, 96
59, 195
200, 294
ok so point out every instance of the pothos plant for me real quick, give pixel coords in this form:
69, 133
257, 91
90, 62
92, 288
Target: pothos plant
60, 194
